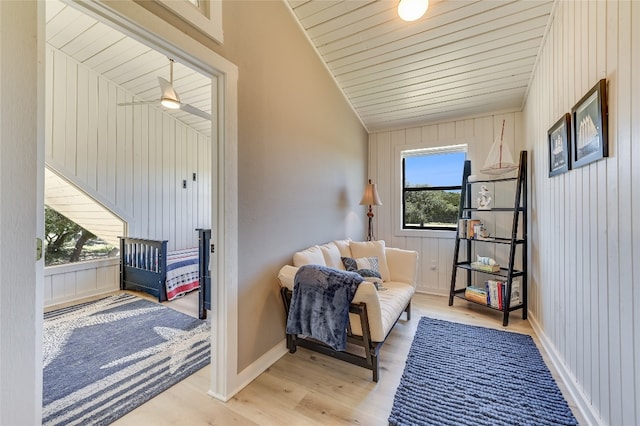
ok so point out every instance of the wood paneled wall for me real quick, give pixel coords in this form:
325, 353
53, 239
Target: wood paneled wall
435, 248
75, 281
585, 245
133, 159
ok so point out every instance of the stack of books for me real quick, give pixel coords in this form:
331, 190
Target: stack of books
476, 294
466, 228
497, 293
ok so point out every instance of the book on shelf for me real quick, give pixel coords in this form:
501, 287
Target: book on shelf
497, 293
484, 267
491, 287
467, 228
515, 293
471, 226
462, 228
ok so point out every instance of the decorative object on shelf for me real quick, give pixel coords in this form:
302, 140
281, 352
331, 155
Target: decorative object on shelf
486, 260
411, 10
485, 264
482, 233
484, 199
559, 135
499, 161
370, 198
590, 127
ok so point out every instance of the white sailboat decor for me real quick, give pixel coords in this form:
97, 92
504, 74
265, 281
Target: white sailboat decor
499, 161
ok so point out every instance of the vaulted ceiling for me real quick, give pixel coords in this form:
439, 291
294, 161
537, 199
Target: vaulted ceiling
126, 62
464, 57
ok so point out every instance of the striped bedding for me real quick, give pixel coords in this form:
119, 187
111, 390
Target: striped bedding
182, 272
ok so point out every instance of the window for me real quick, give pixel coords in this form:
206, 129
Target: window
68, 242
431, 180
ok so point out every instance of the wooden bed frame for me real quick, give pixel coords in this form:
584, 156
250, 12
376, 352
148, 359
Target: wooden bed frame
143, 267
371, 348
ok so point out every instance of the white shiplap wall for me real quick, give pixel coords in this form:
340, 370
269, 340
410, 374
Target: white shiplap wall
133, 159
435, 248
585, 250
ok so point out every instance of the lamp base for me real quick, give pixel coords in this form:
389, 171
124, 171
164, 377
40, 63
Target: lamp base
370, 236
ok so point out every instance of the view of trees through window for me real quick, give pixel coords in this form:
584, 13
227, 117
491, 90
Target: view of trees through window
67, 242
431, 187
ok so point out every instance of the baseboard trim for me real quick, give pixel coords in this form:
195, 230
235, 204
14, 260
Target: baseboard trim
256, 368
569, 380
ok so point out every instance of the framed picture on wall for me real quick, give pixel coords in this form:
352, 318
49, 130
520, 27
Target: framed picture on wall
559, 148
590, 129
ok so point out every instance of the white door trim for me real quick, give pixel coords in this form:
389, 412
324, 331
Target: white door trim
142, 25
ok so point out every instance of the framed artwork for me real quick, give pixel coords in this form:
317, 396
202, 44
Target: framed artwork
559, 147
590, 129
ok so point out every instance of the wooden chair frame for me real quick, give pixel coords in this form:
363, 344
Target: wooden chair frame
371, 348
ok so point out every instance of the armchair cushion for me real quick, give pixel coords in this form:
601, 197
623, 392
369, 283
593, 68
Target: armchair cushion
403, 265
343, 247
332, 256
311, 256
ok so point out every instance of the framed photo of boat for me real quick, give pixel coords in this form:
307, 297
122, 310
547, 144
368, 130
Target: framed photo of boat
590, 128
559, 148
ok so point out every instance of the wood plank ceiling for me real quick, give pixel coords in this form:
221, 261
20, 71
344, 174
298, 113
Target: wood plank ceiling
126, 62
463, 58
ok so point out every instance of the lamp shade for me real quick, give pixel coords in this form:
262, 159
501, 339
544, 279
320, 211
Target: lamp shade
410, 10
370, 196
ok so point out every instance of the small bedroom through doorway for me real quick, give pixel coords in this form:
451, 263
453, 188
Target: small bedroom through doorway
108, 136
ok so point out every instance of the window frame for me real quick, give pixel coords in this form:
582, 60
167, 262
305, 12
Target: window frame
404, 151
206, 17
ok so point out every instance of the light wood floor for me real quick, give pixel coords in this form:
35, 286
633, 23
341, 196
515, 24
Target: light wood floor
307, 388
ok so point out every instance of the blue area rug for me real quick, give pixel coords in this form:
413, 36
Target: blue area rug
104, 358
459, 374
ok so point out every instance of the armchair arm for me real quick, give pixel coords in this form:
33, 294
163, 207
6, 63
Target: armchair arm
403, 265
368, 294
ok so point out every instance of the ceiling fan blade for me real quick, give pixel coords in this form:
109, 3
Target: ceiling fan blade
139, 103
167, 90
195, 111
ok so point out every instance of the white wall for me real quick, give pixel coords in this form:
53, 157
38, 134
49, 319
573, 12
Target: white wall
20, 293
585, 248
78, 280
435, 248
133, 159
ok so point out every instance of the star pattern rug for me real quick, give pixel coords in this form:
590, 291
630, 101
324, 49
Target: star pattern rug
104, 358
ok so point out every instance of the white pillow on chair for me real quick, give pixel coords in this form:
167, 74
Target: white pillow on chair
311, 256
372, 249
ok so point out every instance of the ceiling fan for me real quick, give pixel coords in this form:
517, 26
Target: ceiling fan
169, 98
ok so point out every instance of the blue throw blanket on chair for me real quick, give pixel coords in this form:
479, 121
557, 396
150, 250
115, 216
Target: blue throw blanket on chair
320, 304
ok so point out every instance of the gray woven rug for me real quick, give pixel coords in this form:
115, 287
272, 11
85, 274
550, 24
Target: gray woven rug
459, 374
104, 358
